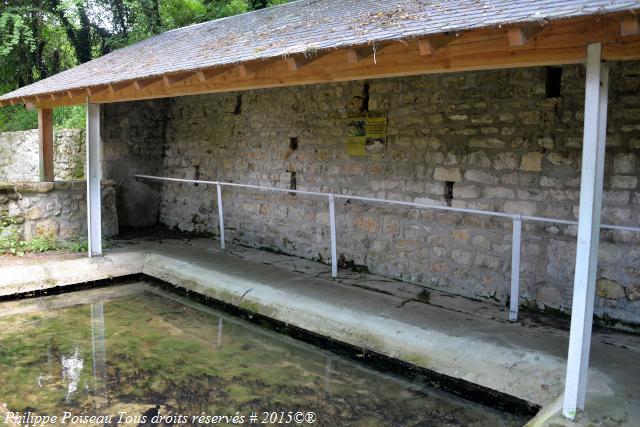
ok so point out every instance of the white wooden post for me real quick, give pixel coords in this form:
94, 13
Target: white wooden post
593, 148
220, 216
94, 174
516, 238
332, 230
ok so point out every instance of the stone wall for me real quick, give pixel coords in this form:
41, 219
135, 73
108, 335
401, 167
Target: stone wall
54, 210
502, 139
133, 142
19, 157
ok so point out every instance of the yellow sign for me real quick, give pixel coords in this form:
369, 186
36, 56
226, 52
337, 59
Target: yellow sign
366, 133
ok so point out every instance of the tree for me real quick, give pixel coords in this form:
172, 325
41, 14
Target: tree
39, 38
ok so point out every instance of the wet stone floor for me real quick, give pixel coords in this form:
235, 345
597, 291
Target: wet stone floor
136, 355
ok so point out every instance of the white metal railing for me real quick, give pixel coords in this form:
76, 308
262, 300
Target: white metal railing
331, 197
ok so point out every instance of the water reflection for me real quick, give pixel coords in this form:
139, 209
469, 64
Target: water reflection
98, 347
71, 370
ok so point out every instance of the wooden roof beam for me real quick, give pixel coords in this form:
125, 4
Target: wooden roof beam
429, 46
142, 83
29, 104
250, 68
630, 26
172, 79
520, 36
115, 87
295, 63
74, 93
359, 54
211, 73
94, 90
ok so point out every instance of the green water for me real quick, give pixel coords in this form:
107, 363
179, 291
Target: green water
133, 350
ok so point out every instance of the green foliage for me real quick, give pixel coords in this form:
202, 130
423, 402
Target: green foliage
233, 7
16, 117
179, 13
39, 38
11, 241
77, 246
10, 233
41, 244
73, 117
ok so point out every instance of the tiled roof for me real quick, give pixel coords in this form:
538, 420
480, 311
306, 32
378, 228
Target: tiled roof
307, 25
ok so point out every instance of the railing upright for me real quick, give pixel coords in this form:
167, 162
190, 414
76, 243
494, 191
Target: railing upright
332, 226
515, 268
516, 218
220, 215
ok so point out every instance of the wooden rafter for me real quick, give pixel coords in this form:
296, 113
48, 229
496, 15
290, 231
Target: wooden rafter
94, 90
630, 26
295, 63
561, 42
429, 46
251, 68
142, 83
520, 36
74, 93
172, 79
206, 75
358, 54
117, 87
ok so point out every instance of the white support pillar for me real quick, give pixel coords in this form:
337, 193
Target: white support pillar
593, 148
94, 174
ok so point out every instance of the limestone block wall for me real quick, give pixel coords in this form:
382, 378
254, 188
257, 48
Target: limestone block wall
19, 158
55, 210
496, 140
133, 142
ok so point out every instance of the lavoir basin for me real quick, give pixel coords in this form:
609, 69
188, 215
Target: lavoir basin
136, 354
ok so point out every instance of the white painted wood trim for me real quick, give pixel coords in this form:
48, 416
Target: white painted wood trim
593, 150
94, 174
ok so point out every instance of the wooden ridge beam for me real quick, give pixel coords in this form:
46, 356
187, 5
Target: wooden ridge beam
428, 47
520, 36
629, 26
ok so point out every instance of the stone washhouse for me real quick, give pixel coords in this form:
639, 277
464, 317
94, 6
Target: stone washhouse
518, 108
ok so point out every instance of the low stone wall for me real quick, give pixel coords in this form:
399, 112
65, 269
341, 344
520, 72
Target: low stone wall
19, 157
52, 210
